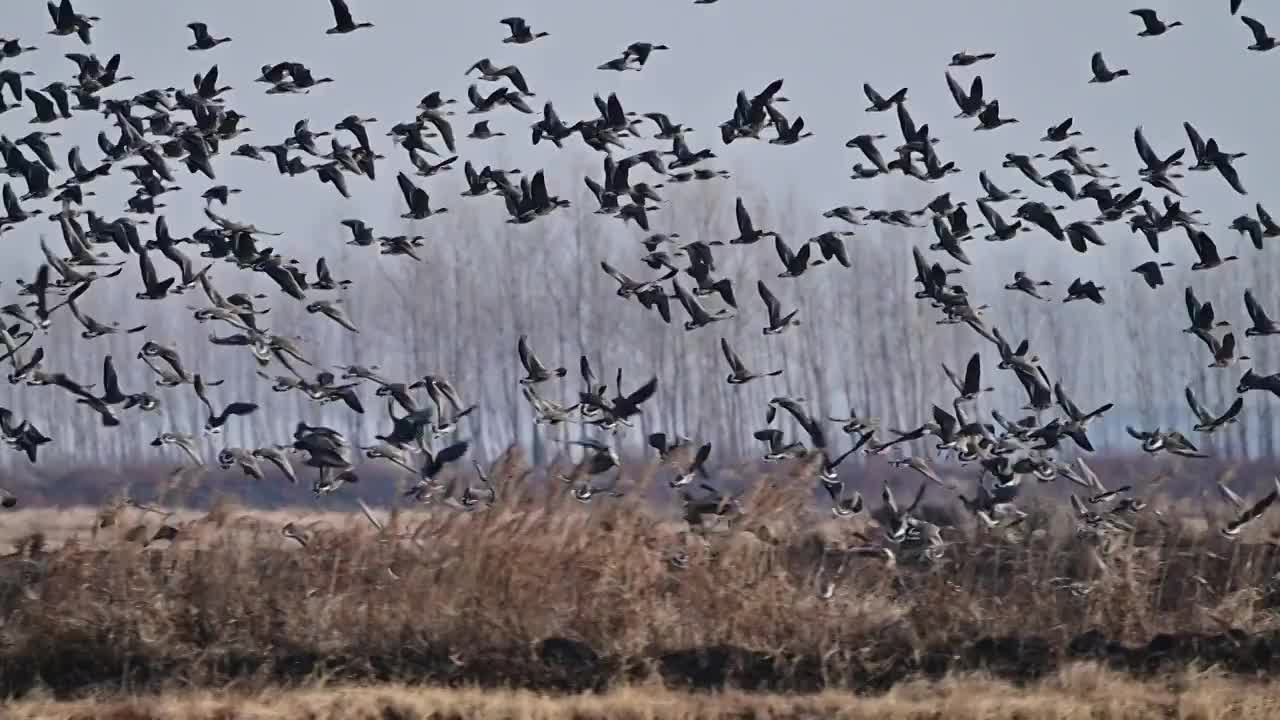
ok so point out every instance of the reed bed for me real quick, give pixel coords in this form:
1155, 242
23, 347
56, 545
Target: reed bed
547, 593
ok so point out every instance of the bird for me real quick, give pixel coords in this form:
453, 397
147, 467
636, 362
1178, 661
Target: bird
1206, 250
739, 374
1207, 422
964, 59
1261, 323
879, 103
535, 371
203, 40
1103, 74
747, 231
1151, 273
343, 23
1024, 283
520, 32
1152, 25
1262, 42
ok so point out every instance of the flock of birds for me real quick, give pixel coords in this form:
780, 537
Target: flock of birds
192, 128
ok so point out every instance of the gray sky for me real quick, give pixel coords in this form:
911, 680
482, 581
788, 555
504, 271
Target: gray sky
824, 50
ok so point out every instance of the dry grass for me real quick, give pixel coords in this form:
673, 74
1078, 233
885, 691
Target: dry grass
473, 599
1076, 692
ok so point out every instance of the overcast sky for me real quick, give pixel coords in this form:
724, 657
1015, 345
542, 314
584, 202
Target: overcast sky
824, 50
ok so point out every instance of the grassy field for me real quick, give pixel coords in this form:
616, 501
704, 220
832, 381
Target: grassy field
1081, 691
545, 593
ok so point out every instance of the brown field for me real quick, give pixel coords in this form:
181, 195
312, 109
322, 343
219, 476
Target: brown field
1080, 691
544, 593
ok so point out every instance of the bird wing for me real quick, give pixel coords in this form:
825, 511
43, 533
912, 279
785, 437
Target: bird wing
341, 13
1200, 413
1258, 29
772, 306
1098, 64
744, 219
735, 363
530, 361
973, 375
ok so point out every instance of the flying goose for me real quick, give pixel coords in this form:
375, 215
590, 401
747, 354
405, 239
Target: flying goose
695, 468
1206, 250
794, 262
641, 51
698, 315
788, 133
203, 40
921, 466
183, 441
1152, 24
230, 457
842, 503
776, 449
1153, 441
493, 73
535, 371
1208, 423
619, 64
1224, 351
1060, 132
66, 21
417, 199
1024, 283
1024, 164
342, 21
878, 101
520, 31
1042, 216
434, 464
667, 130
964, 59
94, 329
216, 420
1262, 324
1151, 273
1233, 528
1000, 229
622, 406
547, 412
1102, 73
1081, 290
831, 245
1221, 161
1089, 480
807, 422
739, 374
747, 232
993, 192
481, 131
778, 322
989, 118
628, 287
1262, 42
970, 103
667, 447
947, 241
332, 310
1252, 381
971, 387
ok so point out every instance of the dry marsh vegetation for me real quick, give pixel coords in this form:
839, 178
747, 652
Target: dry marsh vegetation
546, 593
1078, 691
